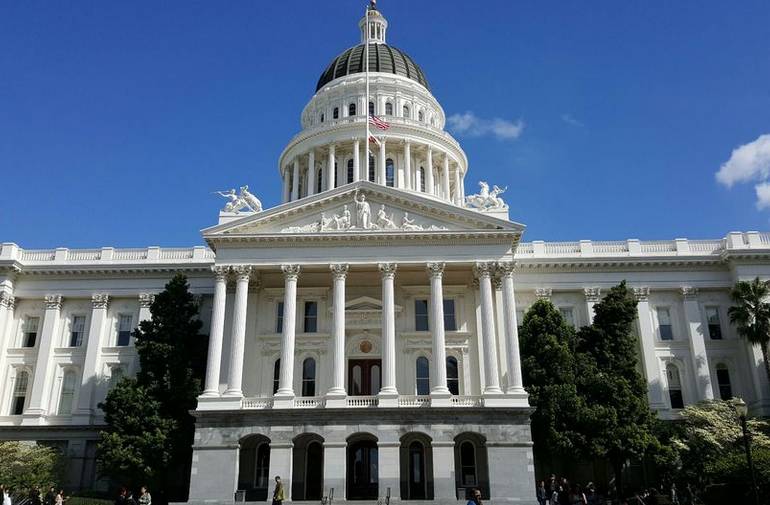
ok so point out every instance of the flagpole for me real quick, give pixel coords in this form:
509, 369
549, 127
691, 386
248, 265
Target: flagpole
366, 100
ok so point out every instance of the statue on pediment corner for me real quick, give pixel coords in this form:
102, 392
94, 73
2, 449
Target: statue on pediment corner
240, 201
485, 199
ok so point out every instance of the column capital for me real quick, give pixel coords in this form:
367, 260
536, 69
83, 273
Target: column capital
506, 268
483, 269
100, 300
435, 269
339, 270
497, 282
641, 293
388, 270
146, 300
592, 294
52, 302
689, 292
220, 272
7, 300
543, 293
290, 271
242, 272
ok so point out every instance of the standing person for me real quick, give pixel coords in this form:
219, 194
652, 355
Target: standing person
576, 496
278, 494
542, 494
6, 492
34, 497
564, 492
59, 498
475, 498
122, 498
144, 496
50, 496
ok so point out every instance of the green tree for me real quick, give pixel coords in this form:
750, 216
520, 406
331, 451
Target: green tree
615, 419
150, 431
751, 314
23, 465
548, 371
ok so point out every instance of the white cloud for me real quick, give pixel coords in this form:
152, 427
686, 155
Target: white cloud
571, 120
763, 195
749, 162
473, 126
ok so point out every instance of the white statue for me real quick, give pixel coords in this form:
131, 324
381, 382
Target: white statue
408, 224
363, 212
385, 222
342, 222
486, 199
238, 202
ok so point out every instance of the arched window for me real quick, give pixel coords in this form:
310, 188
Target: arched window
254, 467
674, 386
371, 108
723, 381
406, 111
422, 179
420, 116
336, 113
374, 379
390, 173
388, 109
468, 474
371, 168
67, 393
276, 375
422, 376
452, 375
322, 117
262, 466
417, 479
20, 393
350, 171
352, 109
308, 377
319, 180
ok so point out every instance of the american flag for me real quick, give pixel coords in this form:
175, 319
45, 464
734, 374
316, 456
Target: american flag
379, 123
373, 140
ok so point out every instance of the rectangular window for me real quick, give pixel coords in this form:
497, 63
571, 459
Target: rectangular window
421, 315
77, 330
124, 329
19, 393
279, 317
567, 315
674, 387
30, 331
311, 317
450, 320
67, 394
715, 327
664, 324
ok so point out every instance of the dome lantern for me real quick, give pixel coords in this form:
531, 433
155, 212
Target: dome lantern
378, 25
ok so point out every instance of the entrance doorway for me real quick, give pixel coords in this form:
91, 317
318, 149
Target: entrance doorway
364, 377
363, 470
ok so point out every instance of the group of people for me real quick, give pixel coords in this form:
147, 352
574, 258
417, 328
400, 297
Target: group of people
126, 497
52, 497
561, 492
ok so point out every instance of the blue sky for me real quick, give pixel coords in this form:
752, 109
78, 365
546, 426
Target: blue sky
118, 119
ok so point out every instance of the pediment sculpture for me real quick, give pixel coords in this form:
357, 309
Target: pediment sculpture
485, 199
361, 220
240, 203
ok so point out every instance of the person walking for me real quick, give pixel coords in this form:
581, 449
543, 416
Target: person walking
542, 494
278, 493
5, 494
34, 497
122, 498
475, 498
144, 496
576, 496
59, 498
50, 496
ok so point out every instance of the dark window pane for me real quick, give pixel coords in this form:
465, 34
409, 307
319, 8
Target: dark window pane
390, 174
450, 321
308, 377
18, 406
421, 315
352, 109
311, 317
452, 375
677, 402
715, 331
666, 333
423, 376
279, 318
276, 375
723, 380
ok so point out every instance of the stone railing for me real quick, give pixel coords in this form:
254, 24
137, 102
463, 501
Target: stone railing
256, 403
735, 241
413, 401
105, 255
361, 401
404, 401
309, 402
467, 401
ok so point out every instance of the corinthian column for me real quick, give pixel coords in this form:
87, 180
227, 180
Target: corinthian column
429, 187
491, 377
445, 178
295, 180
45, 345
458, 199
650, 361
515, 384
336, 394
439, 391
238, 341
286, 379
388, 392
214, 359
331, 172
408, 181
381, 176
311, 174
356, 160
99, 304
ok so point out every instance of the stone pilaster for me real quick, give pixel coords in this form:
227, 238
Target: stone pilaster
695, 333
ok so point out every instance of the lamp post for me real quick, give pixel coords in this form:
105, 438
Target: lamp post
742, 410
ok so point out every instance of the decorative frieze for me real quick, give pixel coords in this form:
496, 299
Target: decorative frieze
101, 300
642, 294
592, 294
52, 302
543, 293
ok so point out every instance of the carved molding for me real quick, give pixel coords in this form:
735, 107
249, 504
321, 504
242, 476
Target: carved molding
290, 272
220, 272
339, 270
100, 300
689, 292
242, 272
388, 270
592, 294
506, 268
146, 300
483, 269
543, 293
7, 300
52, 302
435, 269
642, 294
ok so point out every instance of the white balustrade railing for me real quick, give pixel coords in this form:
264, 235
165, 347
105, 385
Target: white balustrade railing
706, 246
84, 254
413, 400
557, 248
658, 246
38, 254
362, 401
467, 401
176, 254
309, 402
256, 403
609, 247
405, 401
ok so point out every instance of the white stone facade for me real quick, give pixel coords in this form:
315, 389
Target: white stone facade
368, 327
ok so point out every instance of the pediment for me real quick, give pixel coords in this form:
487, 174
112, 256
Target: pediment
366, 304
361, 208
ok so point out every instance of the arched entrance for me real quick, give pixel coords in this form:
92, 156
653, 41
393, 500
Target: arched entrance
471, 469
363, 468
307, 468
254, 467
416, 467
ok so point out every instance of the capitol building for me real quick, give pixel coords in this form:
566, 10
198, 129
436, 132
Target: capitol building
364, 332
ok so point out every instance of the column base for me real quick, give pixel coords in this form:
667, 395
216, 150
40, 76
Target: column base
211, 393
387, 399
440, 399
219, 402
503, 400
336, 400
283, 401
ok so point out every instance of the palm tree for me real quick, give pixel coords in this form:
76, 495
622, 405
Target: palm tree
751, 314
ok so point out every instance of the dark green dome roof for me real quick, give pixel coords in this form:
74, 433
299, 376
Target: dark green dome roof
382, 58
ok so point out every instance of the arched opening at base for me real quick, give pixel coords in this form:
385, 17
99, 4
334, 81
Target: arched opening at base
416, 467
307, 482
471, 467
254, 467
363, 467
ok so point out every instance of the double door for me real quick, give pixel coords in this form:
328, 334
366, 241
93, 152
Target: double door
364, 377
